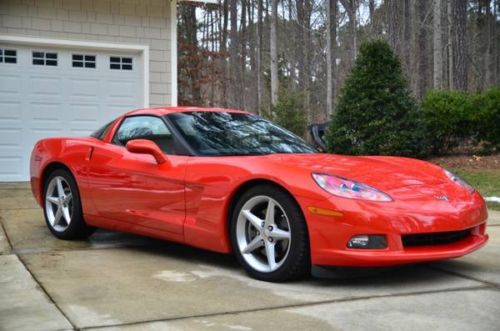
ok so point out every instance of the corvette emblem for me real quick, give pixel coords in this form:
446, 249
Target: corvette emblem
441, 197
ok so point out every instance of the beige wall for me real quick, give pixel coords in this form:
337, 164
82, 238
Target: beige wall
139, 22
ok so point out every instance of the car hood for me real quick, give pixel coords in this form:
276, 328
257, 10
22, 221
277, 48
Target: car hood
382, 172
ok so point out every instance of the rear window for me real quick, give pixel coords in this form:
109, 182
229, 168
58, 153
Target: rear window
101, 132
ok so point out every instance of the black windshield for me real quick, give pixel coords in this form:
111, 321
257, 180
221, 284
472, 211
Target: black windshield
226, 133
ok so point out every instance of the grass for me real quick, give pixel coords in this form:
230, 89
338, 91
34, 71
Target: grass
485, 181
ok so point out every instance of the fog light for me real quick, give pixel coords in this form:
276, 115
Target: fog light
368, 242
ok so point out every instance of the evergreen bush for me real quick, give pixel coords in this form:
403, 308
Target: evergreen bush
375, 113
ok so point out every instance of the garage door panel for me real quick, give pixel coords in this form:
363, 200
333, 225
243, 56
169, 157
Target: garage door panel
46, 86
45, 112
10, 113
84, 111
11, 135
10, 85
119, 90
83, 88
11, 168
38, 101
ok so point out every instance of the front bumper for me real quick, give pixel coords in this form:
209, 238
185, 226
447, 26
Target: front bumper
387, 257
329, 234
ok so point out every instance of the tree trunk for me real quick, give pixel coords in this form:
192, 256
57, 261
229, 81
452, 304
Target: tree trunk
437, 44
307, 59
299, 41
233, 55
223, 49
491, 69
458, 43
243, 55
409, 37
449, 14
274, 53
422, 50
331, 43
371, 7
394, 25
259, 56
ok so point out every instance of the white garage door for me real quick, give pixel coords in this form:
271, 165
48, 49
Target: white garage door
48, 92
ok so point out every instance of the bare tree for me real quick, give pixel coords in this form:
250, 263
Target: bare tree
458, 43
437, 44
490, 60
371, 8
259, 56
394, 24
331, 43
235, 101
274, 52
351, 7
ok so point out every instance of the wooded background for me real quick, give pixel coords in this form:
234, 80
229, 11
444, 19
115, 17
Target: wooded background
248, 54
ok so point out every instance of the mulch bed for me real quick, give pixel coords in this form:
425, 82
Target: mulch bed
468, 162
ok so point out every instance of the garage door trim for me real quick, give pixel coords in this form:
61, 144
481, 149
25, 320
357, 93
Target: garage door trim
63, 43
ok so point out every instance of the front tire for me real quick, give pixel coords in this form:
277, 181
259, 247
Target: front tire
269, 235
62, 207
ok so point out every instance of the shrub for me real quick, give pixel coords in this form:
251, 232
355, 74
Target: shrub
289, 112
447, 118
376, 113
487, 118
456, 119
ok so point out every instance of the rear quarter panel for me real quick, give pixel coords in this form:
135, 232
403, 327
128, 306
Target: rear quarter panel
73, 153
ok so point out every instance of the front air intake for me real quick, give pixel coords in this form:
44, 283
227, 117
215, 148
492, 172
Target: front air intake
434, 238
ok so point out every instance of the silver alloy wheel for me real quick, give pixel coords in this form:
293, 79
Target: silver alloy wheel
263, 233
59, 203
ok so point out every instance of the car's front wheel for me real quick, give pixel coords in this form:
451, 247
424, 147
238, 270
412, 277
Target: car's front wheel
269, 235
62, 208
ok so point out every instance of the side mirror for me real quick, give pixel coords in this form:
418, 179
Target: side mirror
144, 146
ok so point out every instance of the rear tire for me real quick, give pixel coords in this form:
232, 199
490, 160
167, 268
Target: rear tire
269, 235
62, 207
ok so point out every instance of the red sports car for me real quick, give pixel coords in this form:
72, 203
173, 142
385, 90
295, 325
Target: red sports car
230, 181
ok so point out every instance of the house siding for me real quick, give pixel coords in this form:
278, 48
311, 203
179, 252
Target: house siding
139, 22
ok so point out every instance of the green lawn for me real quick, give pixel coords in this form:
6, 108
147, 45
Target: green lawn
486, 181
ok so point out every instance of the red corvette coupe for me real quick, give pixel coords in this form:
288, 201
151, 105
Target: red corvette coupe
230, 181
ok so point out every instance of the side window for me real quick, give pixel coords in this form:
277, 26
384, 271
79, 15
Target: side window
101, 132
146, 127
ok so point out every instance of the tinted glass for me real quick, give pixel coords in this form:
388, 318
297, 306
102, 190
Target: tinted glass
150, 128
221, 133
101, 132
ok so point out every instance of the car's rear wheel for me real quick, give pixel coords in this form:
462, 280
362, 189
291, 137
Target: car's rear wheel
269, 235
62, 208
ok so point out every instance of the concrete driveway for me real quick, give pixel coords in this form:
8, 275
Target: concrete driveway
118, 281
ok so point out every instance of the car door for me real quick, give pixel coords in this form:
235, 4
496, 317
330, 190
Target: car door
134, 188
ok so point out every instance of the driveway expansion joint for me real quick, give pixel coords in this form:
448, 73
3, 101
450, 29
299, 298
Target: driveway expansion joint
6, 235
292, 306
46, 293
458, 274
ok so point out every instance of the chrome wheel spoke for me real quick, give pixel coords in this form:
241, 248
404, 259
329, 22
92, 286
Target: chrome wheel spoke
253, 245
53, 200
270, 212
60, 189
65, 212
68, 198
271, 255
279, 234
256, 222
57, 216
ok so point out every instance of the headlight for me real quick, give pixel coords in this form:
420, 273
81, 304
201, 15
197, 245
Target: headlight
459, 181
346, 188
